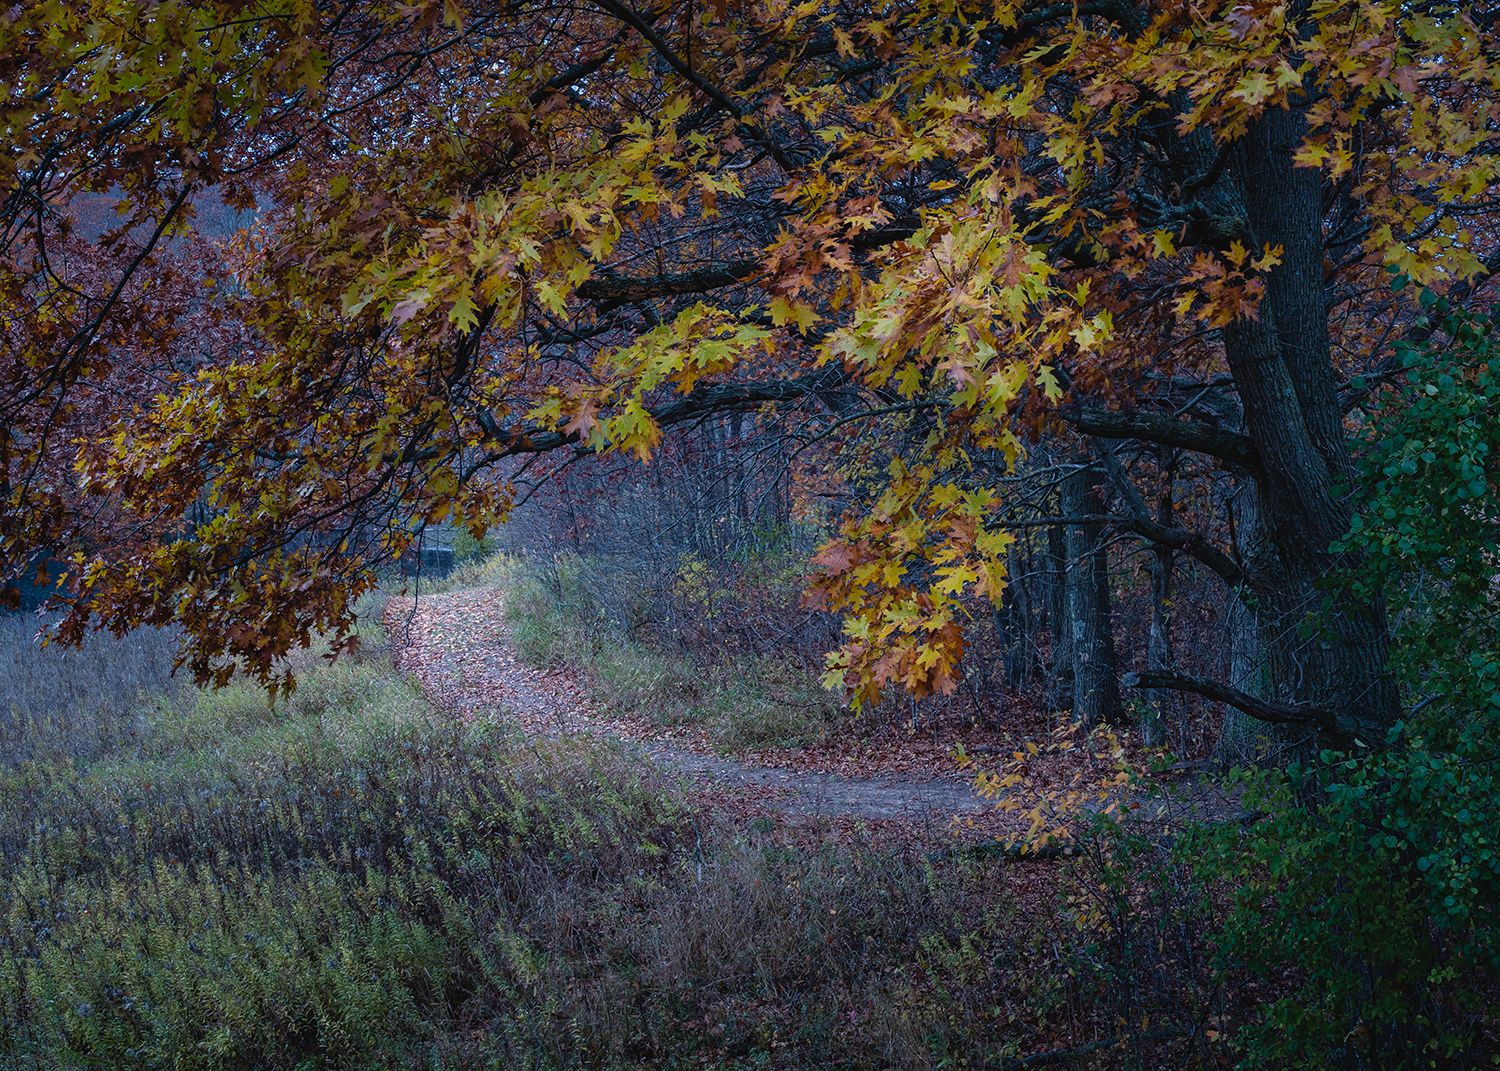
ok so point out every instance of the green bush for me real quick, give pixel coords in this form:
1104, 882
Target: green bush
466, 548
1367, 899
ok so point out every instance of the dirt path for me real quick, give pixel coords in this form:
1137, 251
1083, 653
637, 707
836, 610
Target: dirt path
457, 645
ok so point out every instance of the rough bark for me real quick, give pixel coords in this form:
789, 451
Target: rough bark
1096, 691
1283, 369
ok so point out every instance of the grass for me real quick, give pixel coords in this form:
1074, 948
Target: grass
348, 880
56, 703
201, 880
744, 700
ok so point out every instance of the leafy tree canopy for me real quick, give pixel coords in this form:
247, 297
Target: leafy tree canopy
488, 231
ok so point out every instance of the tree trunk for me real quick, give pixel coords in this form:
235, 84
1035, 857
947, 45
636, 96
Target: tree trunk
1060, 673
1244, 740
1160, 702
744, 488
1014, 624
1096, 690
1283, 369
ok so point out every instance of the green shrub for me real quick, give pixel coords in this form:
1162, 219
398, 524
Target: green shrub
1367, 899
466, 548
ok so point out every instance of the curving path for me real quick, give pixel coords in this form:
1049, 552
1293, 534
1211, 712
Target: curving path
457, 645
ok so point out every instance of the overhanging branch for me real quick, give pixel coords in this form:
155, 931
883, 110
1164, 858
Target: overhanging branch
611, 288
1190, 543
618, 289
1268, 710
718, 398
1228, 446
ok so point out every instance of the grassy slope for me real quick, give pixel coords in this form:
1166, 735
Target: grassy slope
195, 880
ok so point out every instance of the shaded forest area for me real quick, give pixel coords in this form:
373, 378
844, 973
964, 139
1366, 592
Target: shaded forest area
1089, 403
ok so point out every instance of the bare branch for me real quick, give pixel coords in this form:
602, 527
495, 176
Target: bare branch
1268, 710
1228, 446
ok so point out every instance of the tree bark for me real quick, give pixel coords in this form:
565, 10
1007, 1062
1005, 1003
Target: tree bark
1096, 690
1015, 622
1060, 673
1161, 704
1244, 739
1283, 368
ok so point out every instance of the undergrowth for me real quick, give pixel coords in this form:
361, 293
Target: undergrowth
744, 699
202, 880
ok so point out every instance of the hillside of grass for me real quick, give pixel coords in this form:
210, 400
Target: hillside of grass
198, 879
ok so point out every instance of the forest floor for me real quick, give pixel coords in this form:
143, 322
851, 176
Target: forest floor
457, 645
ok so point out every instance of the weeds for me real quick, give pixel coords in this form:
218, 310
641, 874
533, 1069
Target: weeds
58, 703
202, 880
745, 700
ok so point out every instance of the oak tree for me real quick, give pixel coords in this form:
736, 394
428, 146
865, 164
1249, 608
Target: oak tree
487, 233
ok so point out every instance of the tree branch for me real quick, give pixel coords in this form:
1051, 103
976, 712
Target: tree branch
718, 398
1190, 543
609, 287
1157, 531
1228, 446
1268, 710
628, 15
613, 289
566, 79
1052, 1057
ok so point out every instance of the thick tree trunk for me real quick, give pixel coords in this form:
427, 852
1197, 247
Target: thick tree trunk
1096, 689
1283, 370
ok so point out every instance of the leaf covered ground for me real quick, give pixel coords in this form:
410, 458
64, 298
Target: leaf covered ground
459, 645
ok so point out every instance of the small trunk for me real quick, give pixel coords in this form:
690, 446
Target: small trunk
1096, 690
1244, 740
744, 488
1162, 705
1014, 624
1060, 673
